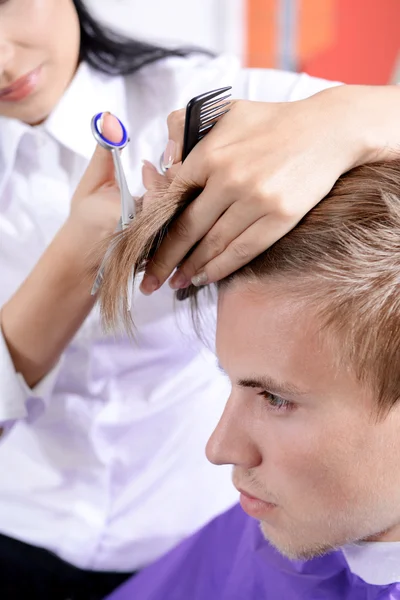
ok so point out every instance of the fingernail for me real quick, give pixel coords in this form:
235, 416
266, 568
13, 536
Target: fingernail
169, 155
100, 122
149, 285
200, 279
178, 281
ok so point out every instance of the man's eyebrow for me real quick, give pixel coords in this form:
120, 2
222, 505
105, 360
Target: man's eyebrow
267, 383
270, 385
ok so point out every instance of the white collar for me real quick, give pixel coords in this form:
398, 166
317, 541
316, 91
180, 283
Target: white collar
88, 93
11, 132
377, 563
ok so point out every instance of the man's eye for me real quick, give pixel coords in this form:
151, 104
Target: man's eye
276, 403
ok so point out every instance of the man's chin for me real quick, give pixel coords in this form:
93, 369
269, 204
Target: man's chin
295, 550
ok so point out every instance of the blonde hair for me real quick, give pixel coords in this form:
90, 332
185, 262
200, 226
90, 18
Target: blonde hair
344, 257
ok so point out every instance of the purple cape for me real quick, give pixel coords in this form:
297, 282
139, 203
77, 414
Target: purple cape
230, 560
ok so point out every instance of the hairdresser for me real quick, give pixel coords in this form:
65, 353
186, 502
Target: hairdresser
102, 453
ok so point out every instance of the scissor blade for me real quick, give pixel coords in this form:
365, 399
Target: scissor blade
100, 273
128, 210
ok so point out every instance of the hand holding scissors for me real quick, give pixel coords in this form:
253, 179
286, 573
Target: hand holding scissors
128, 208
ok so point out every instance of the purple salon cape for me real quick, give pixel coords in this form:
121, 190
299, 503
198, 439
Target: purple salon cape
230, 560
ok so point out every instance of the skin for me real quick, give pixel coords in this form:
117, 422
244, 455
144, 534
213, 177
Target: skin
325, 463
45, 312
319, 453
37, 33
253, 166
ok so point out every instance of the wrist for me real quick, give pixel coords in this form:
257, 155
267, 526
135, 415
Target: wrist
382, 122
368, 121
375, 121
81, 251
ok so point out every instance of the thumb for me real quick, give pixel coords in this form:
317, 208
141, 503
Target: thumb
176, 128
100, 170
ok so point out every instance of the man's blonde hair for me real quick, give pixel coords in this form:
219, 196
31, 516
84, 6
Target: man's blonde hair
343, 257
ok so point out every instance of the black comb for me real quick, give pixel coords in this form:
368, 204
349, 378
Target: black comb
202, 113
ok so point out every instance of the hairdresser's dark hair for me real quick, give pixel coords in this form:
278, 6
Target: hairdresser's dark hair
116, 54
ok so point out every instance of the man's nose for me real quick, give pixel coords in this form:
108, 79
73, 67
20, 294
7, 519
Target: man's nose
232, 441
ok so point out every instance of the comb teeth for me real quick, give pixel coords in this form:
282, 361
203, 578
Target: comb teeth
204, 115
214, 109
211, 112
213, 117
204, 127
212, 101
203, 112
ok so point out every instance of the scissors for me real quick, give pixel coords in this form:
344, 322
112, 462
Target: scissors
128, 208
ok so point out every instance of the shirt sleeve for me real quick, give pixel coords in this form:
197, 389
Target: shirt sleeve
182, 79
17, 400
270, 85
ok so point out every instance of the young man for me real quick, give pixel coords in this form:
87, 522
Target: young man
309, 336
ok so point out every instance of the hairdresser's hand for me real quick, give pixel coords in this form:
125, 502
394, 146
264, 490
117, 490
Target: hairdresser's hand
48, 308
263, 167
95, 206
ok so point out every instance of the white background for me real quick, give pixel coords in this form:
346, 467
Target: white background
215, 24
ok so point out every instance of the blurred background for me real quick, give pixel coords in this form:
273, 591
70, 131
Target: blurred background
355, 41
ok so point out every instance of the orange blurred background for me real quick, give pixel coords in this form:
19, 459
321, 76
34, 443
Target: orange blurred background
354, 41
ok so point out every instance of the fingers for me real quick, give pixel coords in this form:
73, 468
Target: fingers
239, 217
100, 170
176, 128
111, 128
196, 220
205, 158
195, 168
150, 176
251, 243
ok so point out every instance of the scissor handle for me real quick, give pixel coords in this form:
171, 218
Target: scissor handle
105, 142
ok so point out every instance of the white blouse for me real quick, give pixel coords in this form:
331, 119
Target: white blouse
103, 462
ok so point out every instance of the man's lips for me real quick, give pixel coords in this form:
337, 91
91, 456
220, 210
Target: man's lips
21, 88
253, 506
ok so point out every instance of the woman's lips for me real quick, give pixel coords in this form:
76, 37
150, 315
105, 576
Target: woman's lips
21, 88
